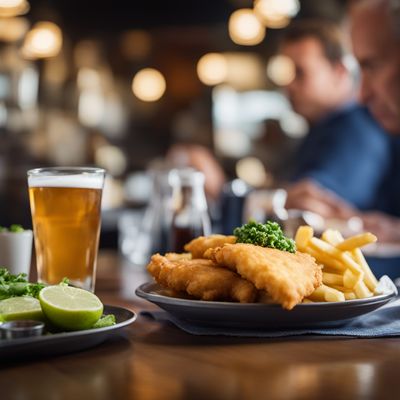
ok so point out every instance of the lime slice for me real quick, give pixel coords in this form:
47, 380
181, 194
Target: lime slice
70, 308
24, 307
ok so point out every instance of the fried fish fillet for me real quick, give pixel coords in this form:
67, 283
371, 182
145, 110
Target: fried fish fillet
202, 279
287, 277
199, 245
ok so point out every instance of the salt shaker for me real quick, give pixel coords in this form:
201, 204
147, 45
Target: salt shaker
189, 217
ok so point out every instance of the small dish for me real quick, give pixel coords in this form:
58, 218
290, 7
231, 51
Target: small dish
21, 328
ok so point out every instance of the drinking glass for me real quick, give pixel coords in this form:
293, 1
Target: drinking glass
65, 206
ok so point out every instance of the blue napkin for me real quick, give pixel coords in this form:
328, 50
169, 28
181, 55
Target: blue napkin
384, 322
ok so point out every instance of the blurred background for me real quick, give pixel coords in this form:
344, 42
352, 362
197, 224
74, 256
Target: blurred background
116, 84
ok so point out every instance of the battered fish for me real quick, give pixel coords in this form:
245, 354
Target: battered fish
202, 279
287, 277
199, 245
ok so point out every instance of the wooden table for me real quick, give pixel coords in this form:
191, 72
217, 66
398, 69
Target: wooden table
150, 361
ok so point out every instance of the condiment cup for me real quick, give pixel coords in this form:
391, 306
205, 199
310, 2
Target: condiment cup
21, 328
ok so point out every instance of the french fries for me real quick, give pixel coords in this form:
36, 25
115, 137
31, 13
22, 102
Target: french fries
332, 279
326, 293
346, 274
356, 242
369, 277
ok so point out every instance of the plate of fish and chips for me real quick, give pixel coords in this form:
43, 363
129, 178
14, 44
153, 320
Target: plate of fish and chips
263, 280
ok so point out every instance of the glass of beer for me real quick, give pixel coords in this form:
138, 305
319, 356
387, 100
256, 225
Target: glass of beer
65, 207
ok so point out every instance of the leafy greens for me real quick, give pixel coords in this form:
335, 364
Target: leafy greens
17, 285
267, 235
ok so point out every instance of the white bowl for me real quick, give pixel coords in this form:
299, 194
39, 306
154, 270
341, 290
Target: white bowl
16, 251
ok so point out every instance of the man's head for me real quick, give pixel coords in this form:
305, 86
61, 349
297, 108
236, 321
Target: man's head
376, 44
322, 83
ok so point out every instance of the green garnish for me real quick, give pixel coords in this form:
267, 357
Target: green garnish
267, 235
14, 228
17, 285
64, 281
106, 320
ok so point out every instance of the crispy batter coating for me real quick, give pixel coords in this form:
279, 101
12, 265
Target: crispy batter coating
202, 279
199, 245
287, 277
178, 256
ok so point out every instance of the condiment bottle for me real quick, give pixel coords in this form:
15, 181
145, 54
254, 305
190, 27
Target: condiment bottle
190, 217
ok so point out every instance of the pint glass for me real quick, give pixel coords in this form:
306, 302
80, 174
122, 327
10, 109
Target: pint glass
65, 207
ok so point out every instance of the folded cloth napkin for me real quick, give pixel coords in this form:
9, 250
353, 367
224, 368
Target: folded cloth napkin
384, 322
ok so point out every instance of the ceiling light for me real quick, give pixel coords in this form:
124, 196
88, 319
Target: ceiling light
245, 28
148, 85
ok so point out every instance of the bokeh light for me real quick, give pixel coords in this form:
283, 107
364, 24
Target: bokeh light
42, 41
276, 13
276, 21
281, 70
245, 28
13, 8
13, 29
148, 84
251, 170
212, 69
277, 7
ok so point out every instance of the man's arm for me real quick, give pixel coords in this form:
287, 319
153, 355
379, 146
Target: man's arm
349, 157
384, 226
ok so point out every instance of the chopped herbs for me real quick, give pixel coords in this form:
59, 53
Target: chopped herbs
105, 320
14, 228
267, 235
17, 285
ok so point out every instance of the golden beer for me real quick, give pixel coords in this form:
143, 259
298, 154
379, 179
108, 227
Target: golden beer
66, 224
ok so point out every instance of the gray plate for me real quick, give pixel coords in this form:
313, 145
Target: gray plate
258, 315
65, 342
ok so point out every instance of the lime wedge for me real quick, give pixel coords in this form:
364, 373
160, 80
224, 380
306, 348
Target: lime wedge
24, 307
70, 308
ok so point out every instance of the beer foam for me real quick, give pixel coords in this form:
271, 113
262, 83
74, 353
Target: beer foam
67, 181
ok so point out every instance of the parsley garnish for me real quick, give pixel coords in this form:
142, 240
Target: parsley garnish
266, 235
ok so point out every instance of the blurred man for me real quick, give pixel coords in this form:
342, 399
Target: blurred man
375, 32
342, 161
376, 43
